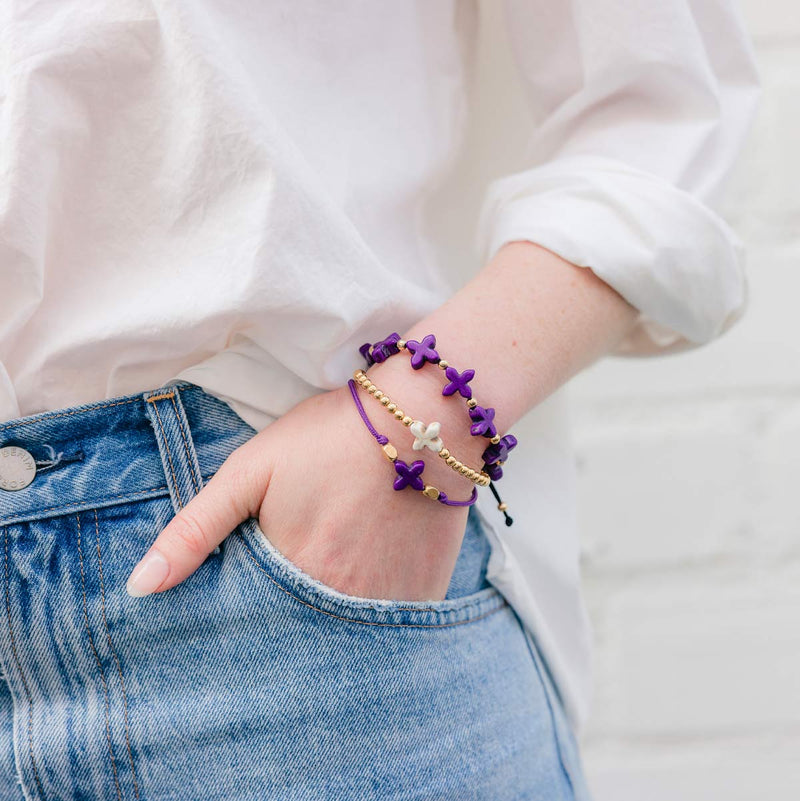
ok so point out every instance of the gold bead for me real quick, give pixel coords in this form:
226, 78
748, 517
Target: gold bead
390, 451
407, 421
444, 364
391, 407
372, 389
502, 506
401, 343
444, 453
385, 400
495, 439
378, 394
464, 470
451, 460
431, 492
472, 403
399, 414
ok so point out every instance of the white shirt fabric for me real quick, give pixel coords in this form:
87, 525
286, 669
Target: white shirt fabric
231, 192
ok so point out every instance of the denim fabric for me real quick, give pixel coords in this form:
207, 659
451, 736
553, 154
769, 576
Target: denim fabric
251, 680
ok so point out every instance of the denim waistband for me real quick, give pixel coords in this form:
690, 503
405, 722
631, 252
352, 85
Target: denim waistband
165, 441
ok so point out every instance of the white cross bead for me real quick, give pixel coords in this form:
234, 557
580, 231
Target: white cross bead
426, 436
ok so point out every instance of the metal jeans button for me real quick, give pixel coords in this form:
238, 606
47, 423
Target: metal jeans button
17, 468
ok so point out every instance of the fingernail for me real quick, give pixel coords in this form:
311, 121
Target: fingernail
147, 575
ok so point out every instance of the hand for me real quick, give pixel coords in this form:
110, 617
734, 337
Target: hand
321, 489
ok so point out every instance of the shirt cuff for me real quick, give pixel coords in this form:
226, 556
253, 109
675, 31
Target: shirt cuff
661, 248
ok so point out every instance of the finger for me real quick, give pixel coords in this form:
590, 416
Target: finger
234, 493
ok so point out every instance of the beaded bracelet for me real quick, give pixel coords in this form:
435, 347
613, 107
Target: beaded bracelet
424, 436
482, 418
496, 454
408, 475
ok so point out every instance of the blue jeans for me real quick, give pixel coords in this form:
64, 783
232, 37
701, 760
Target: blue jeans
250, 680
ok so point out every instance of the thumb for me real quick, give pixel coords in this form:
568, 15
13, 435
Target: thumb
234, 493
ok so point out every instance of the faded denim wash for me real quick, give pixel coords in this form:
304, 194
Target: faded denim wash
251, 680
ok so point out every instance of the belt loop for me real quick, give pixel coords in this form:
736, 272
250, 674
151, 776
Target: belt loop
178, 456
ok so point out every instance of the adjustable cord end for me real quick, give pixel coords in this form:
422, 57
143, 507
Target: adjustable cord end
501, 505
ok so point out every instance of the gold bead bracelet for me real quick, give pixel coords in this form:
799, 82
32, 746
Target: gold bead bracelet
424, 436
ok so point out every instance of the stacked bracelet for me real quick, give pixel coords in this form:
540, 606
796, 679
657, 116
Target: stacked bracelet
408, 475
481, 418
424, 436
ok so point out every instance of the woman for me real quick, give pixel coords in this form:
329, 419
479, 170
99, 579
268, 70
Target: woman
208, 210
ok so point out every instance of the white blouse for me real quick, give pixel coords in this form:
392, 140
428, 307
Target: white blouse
233, 192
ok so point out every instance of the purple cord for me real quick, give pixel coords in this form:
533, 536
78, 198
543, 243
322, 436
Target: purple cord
383, 440
354, 392
482, 424
447, 502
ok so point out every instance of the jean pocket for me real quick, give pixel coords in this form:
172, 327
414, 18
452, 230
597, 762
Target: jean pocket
268, 564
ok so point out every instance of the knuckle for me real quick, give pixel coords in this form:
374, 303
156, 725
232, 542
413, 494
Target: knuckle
247, 477
190, 535
232, 473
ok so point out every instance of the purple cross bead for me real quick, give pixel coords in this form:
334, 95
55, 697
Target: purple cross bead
409, 475
498, 452
422, 352
382, 350
494, 471
482, 422
364, 351
459, 382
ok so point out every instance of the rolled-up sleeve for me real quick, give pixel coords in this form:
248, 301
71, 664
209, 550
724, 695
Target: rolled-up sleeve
640, 110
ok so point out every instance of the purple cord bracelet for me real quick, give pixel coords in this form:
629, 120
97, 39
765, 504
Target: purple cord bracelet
408, 475
481, 418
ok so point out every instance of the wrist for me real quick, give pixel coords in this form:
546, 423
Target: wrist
418, 393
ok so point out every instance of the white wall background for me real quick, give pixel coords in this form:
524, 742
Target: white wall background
689, 481
690, 509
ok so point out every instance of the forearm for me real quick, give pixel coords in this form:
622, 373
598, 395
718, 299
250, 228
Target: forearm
526, 323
